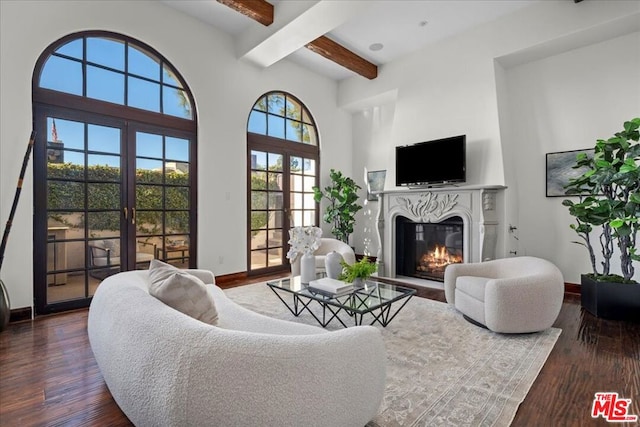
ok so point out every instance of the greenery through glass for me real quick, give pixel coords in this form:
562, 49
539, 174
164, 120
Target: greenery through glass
262, 184
70, 195
280, 115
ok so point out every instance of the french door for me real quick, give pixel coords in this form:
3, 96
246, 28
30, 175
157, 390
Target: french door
280, 196
110, 195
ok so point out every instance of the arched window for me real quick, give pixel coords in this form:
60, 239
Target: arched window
113, 69
283, 164
114, 165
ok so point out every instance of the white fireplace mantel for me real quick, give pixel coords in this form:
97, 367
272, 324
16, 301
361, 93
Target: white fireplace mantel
480, 207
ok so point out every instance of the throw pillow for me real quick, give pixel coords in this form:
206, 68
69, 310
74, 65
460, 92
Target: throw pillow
182, 291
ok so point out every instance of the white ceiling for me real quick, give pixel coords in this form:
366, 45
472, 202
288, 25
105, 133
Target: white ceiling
401, 26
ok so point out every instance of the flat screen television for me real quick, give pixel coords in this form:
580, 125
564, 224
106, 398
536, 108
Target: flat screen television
436, 162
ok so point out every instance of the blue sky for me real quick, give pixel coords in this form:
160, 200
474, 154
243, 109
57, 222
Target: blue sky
66, 75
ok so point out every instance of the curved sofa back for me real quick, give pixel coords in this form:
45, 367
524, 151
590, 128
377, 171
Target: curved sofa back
533, 268
164, 368
523, 266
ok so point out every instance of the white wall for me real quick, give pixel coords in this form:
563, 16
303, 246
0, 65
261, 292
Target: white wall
511, 241
371, 135
456, 87
561, 103
224, 89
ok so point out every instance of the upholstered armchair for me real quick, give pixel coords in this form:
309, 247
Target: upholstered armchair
327, 245
511, 295
106, 253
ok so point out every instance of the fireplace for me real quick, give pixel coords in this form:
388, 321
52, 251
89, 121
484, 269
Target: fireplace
471, 216
423, 250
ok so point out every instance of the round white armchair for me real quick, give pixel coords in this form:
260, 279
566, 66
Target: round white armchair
510, 295
327, 245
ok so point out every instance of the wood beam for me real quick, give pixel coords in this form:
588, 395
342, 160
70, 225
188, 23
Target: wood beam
342, 56
258, 10
262, 11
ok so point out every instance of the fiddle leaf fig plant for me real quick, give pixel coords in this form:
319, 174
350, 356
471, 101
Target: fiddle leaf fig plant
342, 195
612, 206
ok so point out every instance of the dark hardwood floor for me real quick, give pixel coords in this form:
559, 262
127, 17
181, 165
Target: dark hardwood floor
48, 376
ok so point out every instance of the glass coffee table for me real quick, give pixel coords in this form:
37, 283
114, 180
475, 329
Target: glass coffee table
374, 298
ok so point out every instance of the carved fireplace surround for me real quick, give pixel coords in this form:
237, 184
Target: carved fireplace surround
480, 207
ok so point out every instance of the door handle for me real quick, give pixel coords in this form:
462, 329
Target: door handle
133, 215
126, 212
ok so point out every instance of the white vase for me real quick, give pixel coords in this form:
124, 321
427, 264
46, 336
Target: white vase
307, 268
295, 266
332, 264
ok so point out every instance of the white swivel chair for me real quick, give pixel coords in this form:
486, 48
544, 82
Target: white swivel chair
327, 245
510, 295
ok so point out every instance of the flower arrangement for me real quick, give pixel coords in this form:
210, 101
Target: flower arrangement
303, 240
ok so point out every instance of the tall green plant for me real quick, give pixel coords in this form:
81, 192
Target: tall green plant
342, 195
613, 182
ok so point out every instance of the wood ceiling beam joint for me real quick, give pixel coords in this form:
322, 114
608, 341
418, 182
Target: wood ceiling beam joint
258, 10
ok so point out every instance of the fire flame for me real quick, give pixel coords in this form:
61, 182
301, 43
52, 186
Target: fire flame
437, 259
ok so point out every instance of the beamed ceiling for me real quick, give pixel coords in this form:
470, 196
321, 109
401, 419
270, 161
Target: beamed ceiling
343, 38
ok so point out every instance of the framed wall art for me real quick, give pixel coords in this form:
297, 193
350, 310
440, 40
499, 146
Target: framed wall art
560, 170
375, 183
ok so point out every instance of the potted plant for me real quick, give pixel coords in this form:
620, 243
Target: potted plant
610, 208
358, 272
342, 195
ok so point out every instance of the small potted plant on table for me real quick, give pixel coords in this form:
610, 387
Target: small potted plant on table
612, 208
359, 272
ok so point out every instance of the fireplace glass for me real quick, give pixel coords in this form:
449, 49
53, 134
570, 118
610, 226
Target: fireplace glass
423, 250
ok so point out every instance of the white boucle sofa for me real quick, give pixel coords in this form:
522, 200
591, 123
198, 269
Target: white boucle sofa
165, 368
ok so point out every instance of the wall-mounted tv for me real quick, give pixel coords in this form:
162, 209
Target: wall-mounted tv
440, 161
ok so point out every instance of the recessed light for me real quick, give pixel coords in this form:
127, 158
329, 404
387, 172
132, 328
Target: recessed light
376, 46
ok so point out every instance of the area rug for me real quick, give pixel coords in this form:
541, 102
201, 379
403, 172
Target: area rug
441, 370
